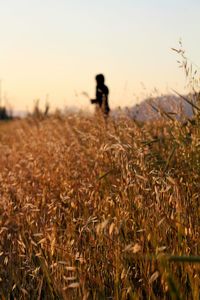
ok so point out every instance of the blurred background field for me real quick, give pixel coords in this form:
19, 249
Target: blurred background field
99, 210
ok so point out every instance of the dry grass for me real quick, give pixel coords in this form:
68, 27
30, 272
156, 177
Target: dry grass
95, 211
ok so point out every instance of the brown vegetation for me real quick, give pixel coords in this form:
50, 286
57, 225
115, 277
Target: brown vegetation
99, 211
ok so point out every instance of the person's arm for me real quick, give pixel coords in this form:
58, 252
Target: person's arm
93, 101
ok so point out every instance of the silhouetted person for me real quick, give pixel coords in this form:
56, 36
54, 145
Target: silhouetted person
101, 95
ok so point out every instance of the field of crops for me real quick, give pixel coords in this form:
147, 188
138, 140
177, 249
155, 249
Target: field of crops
95, 210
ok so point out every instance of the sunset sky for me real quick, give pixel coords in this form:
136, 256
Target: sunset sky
56, 47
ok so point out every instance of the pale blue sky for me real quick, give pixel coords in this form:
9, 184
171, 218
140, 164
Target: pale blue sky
56, 47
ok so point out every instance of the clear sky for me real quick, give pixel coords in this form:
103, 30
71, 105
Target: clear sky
56, 47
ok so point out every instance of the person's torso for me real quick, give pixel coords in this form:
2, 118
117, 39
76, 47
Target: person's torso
101, 93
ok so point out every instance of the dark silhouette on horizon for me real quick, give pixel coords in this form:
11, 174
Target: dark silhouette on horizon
102, 92
4, 114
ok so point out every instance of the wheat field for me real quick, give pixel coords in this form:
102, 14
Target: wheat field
99, 210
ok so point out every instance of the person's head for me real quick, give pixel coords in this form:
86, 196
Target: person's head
100, 79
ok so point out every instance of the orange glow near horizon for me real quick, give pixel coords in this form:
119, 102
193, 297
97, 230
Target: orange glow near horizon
54, 50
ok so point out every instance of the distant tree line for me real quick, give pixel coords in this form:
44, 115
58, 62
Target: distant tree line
4, 114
